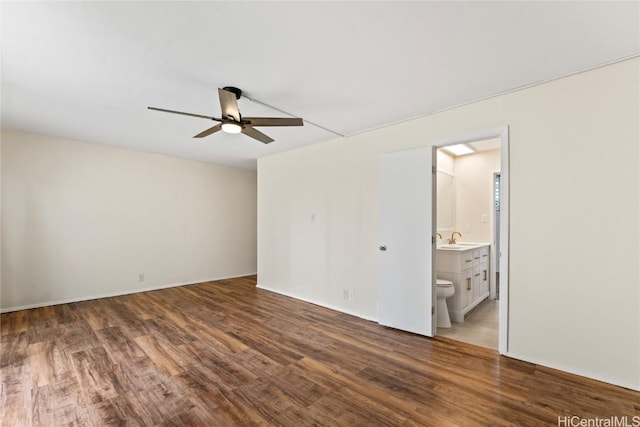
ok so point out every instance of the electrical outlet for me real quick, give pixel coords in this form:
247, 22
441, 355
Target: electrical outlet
351, 294
348, 294
141, 277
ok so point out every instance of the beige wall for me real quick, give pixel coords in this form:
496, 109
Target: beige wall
574, 159
446, 162
82, 220
474, 188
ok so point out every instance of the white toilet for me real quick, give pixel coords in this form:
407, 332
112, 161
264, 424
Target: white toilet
444, 290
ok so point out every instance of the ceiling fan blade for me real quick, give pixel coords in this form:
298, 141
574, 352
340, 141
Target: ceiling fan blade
229, 105
184, 114
209, 131
256, 134
273, 121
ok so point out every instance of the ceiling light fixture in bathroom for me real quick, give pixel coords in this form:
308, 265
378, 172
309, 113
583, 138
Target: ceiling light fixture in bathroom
459, 149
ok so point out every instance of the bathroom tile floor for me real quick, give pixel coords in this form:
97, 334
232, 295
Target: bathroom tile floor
479, 328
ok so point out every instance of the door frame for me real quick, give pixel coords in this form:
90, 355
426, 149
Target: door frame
503, 304
494, 264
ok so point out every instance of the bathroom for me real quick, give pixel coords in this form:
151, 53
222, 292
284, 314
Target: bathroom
467, 222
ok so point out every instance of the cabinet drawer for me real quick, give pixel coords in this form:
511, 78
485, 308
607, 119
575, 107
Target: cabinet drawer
480, 255
454, 262
484, 254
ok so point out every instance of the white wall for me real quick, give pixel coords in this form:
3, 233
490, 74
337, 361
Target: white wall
575, 186
82, 220
474, 194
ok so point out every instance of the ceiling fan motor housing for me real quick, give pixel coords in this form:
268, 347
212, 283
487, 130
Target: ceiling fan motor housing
237, 92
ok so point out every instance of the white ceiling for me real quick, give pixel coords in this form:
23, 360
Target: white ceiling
88, 70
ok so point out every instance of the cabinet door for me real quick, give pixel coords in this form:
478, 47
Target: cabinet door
480, 281
477, 282
485, 278
466, 289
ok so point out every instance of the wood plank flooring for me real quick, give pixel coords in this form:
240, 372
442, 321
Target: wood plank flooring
227, 354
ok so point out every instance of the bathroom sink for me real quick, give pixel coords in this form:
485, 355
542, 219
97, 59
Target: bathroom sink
461, 245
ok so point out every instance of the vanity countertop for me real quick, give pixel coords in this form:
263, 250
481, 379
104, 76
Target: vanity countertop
461, 246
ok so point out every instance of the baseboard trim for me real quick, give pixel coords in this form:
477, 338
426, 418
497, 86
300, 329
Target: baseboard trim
115, 294
329, 306
574, 371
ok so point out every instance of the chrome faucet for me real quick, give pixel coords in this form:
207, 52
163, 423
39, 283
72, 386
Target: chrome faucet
452, 240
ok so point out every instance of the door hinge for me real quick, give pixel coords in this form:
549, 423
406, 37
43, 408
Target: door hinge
433, 240
433, 170
433, 310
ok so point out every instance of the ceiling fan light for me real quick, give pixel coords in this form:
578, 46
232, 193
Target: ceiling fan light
231, 128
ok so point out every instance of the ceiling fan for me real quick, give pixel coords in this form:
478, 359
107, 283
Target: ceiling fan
233, 122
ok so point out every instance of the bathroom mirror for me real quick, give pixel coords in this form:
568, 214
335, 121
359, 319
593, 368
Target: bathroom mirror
445, 196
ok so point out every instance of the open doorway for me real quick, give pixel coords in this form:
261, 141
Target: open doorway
471, 243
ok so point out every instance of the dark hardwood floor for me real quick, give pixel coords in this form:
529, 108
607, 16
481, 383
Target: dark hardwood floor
227, 354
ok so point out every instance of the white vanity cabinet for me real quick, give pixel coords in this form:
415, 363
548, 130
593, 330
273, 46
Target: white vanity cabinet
467, 266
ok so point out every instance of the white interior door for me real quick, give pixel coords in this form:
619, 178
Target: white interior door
406, 293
